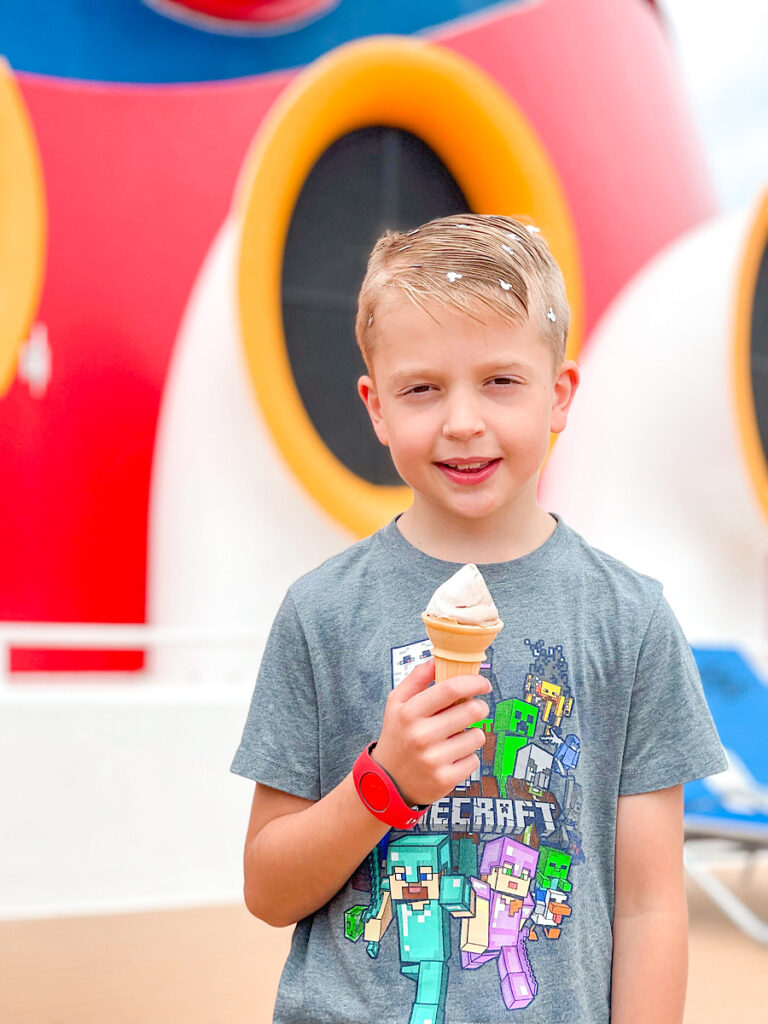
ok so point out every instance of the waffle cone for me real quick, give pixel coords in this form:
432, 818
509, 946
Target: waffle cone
458, 649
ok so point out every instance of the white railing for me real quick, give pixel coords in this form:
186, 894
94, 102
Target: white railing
68, 636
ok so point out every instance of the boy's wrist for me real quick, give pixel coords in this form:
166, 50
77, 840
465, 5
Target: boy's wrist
387, 764
380, 794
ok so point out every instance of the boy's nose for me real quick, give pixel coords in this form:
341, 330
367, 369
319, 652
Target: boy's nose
463, 421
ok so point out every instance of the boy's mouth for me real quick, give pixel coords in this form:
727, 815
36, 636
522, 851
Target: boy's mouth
466, 471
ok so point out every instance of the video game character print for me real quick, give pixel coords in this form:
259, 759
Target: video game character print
495, 853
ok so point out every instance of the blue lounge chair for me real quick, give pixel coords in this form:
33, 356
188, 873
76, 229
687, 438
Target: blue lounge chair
731, 809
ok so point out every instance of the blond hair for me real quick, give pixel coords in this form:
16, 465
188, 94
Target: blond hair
472, 263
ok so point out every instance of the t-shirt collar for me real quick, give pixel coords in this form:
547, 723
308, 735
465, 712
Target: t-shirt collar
512, 572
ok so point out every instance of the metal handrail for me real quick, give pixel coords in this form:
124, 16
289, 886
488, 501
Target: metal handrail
75, 636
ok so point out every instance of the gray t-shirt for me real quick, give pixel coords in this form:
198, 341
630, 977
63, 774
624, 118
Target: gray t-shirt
498, 905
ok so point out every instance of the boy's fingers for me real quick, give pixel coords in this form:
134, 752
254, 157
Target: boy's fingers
456, 748
444, 694
458, 717
417, 680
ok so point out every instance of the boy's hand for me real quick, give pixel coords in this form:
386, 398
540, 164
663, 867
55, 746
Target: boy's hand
425, 743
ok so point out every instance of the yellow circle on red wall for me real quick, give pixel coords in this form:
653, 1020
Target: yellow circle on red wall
22, 225
482, 138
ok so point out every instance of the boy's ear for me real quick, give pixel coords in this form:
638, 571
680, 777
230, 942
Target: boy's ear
366, 388
566, 384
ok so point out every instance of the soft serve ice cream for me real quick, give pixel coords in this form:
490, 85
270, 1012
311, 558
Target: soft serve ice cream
464, 598
461, 620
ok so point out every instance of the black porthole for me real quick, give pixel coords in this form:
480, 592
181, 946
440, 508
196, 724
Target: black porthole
366, 182
758, 348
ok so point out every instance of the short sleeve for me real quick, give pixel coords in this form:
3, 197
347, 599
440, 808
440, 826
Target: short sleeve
279, 746
671, 738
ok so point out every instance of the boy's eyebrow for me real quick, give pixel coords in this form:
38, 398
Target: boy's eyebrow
401, 376
504, 364
497, 366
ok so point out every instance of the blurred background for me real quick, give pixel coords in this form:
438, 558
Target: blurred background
188, 193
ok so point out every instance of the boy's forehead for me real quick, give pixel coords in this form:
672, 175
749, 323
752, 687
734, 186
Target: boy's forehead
396, 308
409, 340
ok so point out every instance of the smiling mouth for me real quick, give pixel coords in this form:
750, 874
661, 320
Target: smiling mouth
469, 467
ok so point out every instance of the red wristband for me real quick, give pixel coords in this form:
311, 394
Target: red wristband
380, 795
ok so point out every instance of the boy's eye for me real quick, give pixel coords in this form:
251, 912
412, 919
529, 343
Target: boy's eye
419, 389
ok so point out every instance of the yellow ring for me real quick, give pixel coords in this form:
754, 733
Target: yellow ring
486, 143
752, 446
22, 225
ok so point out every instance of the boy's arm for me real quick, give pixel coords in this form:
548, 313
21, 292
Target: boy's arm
299, 853
650, 922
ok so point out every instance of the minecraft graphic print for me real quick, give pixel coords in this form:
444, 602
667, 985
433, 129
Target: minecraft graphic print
495, 853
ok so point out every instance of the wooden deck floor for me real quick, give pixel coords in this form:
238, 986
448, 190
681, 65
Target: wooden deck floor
220, 966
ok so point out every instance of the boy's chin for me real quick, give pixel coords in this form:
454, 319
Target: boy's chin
470, 509
476, 508
475, 515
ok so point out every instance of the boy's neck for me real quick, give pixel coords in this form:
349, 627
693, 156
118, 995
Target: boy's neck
502, 539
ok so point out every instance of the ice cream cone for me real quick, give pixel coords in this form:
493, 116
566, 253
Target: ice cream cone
458, 649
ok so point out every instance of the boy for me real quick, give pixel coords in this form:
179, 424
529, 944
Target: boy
521, 859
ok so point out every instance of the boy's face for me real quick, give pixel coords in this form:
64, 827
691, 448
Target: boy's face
465, 408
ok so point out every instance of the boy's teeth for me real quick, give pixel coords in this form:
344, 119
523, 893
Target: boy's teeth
470, 465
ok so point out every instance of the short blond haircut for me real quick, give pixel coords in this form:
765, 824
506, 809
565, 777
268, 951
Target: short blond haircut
476, 264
